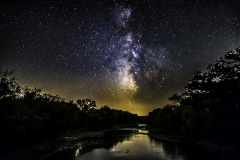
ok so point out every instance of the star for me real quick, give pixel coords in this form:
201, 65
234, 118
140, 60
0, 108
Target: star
115, 52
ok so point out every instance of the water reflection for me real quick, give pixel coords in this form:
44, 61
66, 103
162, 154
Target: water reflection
130, 146
134, 146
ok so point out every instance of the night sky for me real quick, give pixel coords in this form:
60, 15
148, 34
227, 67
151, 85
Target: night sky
129, 55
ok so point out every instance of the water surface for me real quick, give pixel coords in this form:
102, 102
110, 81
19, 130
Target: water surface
131, 146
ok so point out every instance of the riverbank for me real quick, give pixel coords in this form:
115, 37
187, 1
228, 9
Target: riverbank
164, 135
69, 142
47, 148
66, 140
217, 149
87, 137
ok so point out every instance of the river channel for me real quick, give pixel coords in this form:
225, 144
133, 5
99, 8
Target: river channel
129, 145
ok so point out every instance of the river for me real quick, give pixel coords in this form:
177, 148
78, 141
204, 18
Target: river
129, 145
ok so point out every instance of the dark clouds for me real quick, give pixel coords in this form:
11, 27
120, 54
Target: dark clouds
130, 55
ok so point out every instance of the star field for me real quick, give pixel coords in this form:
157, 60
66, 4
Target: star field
130, 55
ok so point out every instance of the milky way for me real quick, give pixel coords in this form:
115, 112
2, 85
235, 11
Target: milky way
130, 55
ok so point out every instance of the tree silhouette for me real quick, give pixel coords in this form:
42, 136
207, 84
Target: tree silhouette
85, 104
209, 108
176, 100
28, 117
8, 85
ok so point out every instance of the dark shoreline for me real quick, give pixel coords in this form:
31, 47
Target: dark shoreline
69, 141
222, 152
66, 141
43, 151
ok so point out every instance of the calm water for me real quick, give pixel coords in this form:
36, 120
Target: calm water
130, 146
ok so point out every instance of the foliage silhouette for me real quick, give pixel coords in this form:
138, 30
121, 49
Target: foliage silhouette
28, 117
209, 108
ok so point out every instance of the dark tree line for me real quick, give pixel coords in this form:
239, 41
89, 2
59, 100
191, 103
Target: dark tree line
210, 107
29, 117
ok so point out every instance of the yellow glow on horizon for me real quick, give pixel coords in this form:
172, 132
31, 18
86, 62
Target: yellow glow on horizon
133, 107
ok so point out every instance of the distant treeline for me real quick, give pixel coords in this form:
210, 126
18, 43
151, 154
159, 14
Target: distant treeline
209, 109
29, 117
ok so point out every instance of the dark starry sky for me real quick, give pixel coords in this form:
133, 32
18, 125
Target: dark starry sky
130, 55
